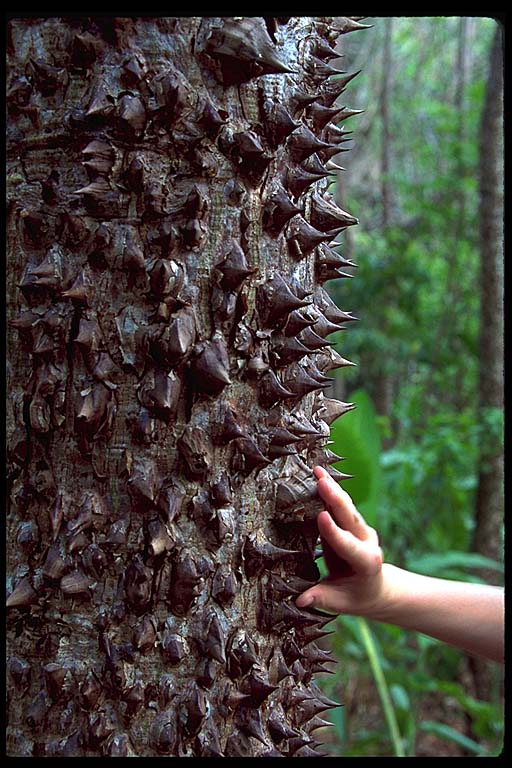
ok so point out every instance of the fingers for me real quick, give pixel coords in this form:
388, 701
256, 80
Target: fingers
351, 551
364, 557
341, 505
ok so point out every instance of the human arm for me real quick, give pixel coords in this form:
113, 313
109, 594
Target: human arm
467, 615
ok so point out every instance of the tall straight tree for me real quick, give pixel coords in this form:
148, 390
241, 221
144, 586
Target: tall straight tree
168, 230
383, 394
452, 309
487, 534
385, 98
490, 494
461, 74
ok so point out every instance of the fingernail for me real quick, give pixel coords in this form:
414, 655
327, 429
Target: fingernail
304, 601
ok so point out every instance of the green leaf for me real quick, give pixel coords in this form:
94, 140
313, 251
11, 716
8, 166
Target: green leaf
433, 564
450, 734
400, 697
376, 659
356, 436
474, 707
337, 717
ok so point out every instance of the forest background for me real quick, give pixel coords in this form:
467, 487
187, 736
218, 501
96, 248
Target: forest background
425, 444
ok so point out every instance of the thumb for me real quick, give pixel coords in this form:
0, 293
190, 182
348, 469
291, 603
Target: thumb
324, 596
306, 599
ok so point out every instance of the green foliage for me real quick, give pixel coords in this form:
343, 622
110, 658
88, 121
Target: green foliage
451, 565
450, 734
411, 326
357, 435
431, 479
393, 489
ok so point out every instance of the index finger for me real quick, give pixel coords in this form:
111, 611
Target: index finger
341, 506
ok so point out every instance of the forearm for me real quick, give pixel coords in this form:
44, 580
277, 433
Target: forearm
467, 615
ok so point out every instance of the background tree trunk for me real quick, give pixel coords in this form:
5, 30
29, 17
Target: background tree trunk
453, 309
489, 518
461, 74
384, 379
489, 514
167, 251
385, 181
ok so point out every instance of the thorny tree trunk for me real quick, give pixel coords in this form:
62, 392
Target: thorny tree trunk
167, 235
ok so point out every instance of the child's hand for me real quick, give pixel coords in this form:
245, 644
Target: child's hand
468, 616
352, 554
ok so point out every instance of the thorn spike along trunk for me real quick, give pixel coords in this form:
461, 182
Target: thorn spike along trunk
169, 232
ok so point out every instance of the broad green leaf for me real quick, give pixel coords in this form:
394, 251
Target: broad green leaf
337, 717
475, 707
433, 563
450, 734
356, 437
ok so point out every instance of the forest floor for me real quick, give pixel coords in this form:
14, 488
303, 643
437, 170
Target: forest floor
364, 713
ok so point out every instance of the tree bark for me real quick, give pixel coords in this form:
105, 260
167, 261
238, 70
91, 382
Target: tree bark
167, 246
490, 495
489, 516
386, 187
384, 382
452, 309
461, 75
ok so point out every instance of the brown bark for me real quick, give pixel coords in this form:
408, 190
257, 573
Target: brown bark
384, 381
452, 309
490, 497
489, 517
167, 248
461, 75
385, 155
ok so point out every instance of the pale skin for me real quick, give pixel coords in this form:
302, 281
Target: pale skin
466, 615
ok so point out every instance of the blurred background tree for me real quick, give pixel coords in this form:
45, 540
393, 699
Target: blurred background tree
424, 175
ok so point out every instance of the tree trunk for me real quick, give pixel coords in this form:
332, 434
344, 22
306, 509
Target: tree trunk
453, 307
490, 496
167, 246
489, 518
385, 149
461, 69
384, 381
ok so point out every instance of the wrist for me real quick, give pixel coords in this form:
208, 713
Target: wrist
387, 603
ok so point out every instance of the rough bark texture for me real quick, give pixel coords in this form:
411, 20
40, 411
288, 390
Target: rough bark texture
490, 496
167, 237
